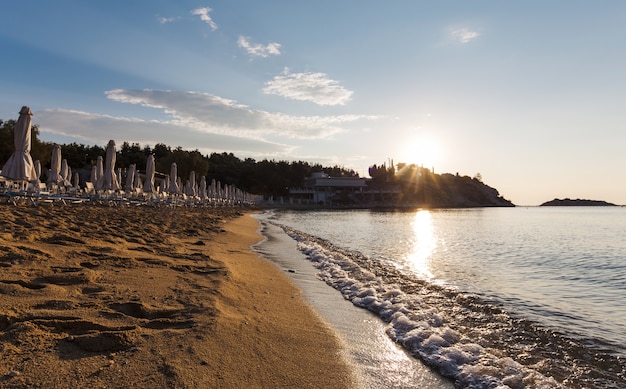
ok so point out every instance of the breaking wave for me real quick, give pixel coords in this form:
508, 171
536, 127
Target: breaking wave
466, 336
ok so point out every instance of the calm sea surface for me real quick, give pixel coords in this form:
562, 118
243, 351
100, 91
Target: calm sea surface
496, 297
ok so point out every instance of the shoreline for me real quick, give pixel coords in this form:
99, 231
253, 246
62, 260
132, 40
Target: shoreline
140, 297
279, 324
377, 360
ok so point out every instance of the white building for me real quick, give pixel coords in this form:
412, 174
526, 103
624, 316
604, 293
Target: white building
322, 189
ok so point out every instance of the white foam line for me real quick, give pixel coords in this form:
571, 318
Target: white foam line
420, 328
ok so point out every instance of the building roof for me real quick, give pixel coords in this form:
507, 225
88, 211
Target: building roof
335, 182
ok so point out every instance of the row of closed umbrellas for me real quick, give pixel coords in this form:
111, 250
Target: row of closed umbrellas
21, 167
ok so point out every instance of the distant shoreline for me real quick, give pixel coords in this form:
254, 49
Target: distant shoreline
311, 207
577, 203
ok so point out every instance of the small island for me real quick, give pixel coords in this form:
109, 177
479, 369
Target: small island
577, 203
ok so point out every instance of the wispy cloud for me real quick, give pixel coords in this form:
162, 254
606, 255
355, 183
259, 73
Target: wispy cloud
98, 129
205, 17
313, 87
464, 35
195, 120
213, 114
163, 20
258, 50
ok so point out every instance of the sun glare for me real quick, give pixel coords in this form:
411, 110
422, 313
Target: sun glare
424, 243
422, 152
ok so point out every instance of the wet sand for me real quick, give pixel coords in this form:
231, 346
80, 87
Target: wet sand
96, 296
377, 360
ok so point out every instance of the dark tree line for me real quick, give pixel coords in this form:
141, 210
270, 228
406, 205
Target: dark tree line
382, 176
266, 177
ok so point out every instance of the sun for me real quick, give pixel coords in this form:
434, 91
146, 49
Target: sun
420, 151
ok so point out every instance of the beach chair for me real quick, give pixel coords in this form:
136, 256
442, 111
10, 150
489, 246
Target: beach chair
89, 188
15, 192
40, 194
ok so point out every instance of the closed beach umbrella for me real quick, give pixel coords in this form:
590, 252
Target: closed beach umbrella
191, 187
130, 178
138, 183
64, 173
37, 172
212, 189
54, 174
110, 179
202, 188
148, 186
76, 180
20, 165
94, 175
173, 178
99, 184
119, 177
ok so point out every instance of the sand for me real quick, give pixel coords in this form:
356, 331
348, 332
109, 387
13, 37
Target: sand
107, 297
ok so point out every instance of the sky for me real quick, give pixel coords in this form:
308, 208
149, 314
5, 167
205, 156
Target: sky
530, 95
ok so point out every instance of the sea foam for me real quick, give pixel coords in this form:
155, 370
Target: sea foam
419, 327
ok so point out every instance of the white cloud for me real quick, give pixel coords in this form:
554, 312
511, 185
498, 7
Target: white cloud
313, 87
213, 114
163, 20
93, 128
204, 16
195, 120
258, 50
464, 35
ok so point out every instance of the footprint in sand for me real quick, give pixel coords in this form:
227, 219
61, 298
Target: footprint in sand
156, 318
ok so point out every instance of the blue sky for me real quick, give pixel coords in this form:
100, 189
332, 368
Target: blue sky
531, 95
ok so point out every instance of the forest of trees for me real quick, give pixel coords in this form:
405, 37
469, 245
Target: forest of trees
265, 177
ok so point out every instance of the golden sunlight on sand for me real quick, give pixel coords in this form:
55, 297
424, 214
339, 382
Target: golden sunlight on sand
98, 297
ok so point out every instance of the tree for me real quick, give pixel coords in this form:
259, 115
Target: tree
382, 175
267, 177
132, 154
6, 140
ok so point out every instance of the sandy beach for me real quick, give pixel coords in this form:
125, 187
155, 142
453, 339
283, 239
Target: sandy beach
105, 297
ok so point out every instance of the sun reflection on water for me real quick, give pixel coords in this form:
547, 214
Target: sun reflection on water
424, 243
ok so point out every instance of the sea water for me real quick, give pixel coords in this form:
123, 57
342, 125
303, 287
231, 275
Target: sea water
490, 297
